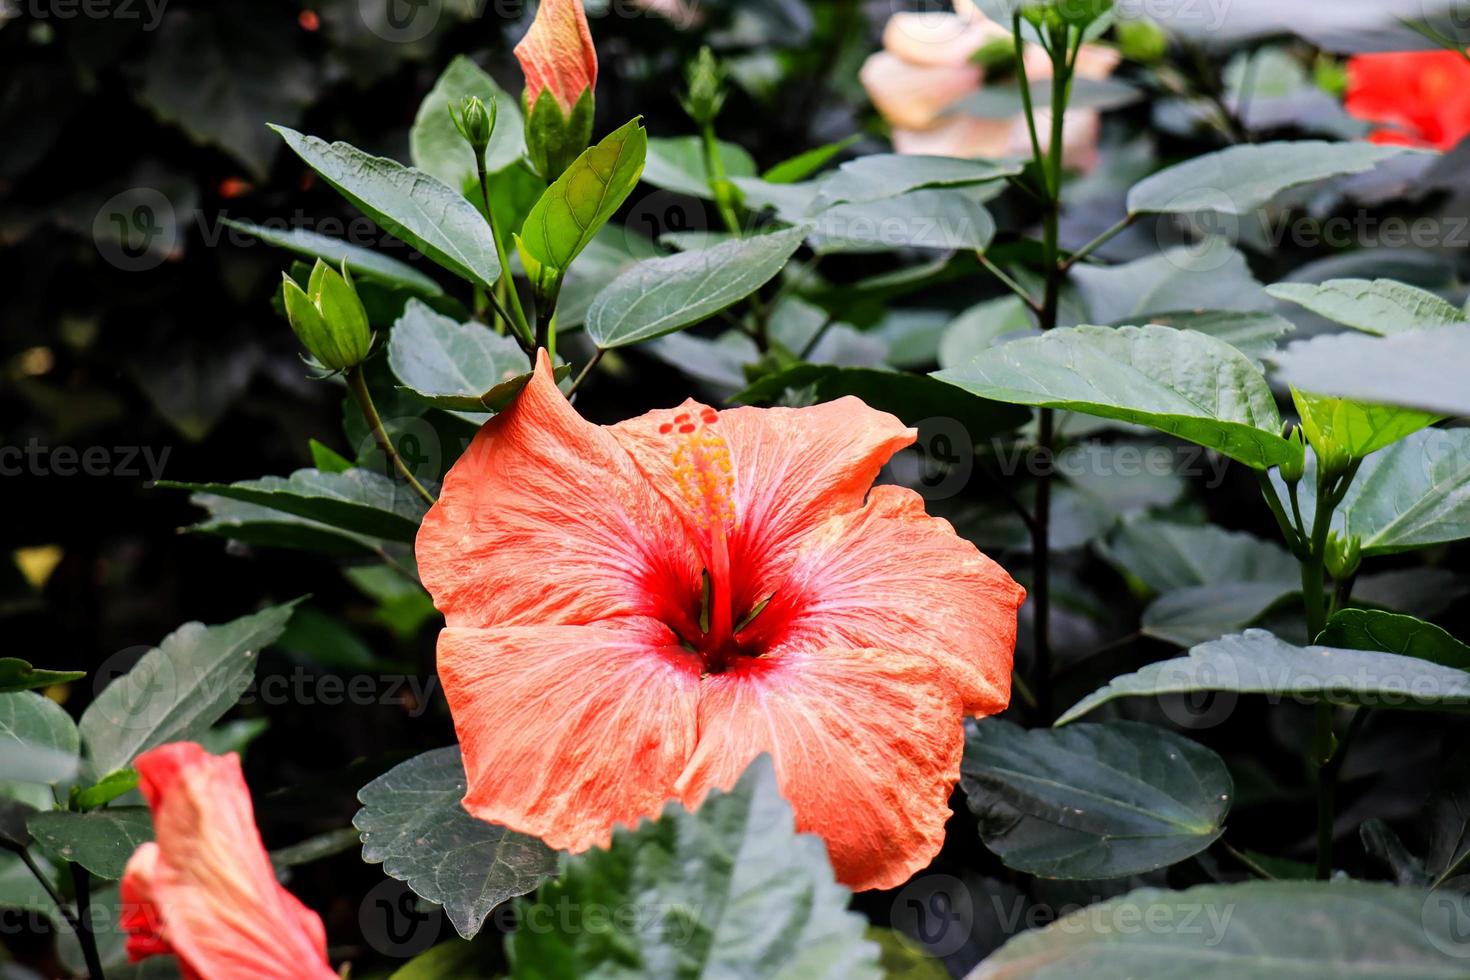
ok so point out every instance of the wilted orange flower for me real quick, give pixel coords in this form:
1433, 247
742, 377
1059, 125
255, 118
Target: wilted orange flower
557, 53
1420, 98
205, 891
636, 612
926, 67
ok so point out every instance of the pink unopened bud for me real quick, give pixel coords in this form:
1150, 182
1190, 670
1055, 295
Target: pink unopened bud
557, 55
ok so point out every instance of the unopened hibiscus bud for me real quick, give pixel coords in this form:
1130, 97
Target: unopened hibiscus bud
1344, 555
1293, 470
474, 122
560, 65
1142, 41
705, 96
328, 318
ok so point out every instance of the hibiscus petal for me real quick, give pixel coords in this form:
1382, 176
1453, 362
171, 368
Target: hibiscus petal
206, 890
891, 576
866, 743
546, 520
792, 469
568, 730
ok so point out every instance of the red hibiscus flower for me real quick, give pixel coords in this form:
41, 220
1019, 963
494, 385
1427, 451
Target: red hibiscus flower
557, 53
636, 612
1421, 98
205, 891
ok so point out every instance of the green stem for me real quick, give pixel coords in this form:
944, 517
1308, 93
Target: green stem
1253, 866
719, 181
1025, 84
357, 384
1292, 534
1098, 242
82, 880
519, 324
1009, 282
587, 370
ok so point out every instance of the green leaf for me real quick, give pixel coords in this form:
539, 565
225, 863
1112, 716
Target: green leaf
1186, 617
980, 327
912, 397
1302, 929
421, 210
268, 528
359, 500
1256, 662
1375, 629
316, 848
446, 961
1414, 494
13, 815
1166, 556
883, 175
361, 261
729, 890
803, 165
437, 357
1005, 101
327, 459
1212, 276
18, 675
100, 841
1093, 801
582, 199
177, 690
1177, 381
661, 295
943, 218
105, 790
677, 164
1253, 334
1424, 369
1241, 179
1340, 430
412, 823
1377, 306
38, 740
436, 147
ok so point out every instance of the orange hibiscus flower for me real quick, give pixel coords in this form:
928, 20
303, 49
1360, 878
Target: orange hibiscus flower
557, 53
635, 612
205, 891
1420, 98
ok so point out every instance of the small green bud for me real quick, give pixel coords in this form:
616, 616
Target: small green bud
474, 121
1343, 556
555, 139
1142, 41
704, 96
1331, 75
1054, 14
1293, 470
328, 317
997, 56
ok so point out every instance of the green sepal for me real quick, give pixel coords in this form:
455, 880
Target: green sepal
328, 317
554, 140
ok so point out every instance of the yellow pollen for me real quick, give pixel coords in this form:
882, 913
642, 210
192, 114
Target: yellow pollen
702, 467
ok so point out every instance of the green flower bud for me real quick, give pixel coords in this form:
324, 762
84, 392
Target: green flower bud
474, 122
554, 139
705, 95
1293, 470
1142, 41
1343, 556
1056, 13
328, 318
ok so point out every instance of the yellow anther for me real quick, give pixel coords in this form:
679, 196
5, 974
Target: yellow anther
702, 467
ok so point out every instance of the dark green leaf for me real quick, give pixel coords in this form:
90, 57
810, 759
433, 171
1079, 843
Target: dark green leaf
316, 848
1093, 801
100, 841
1302, 929
942, 218
421, 210
730, 890
412, 823
1184, 383
38, 740
1240, 180
911, 397
1423, 369
1213, 277
437, 357
1256, 662
677, 164
177, 690
803, 165
881, 175
359, 501
268, 528
1186, 617
661, 295
1375, 629
105, 790
1378, 306
1166, 556
363, 262
18, 675
1253, 334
